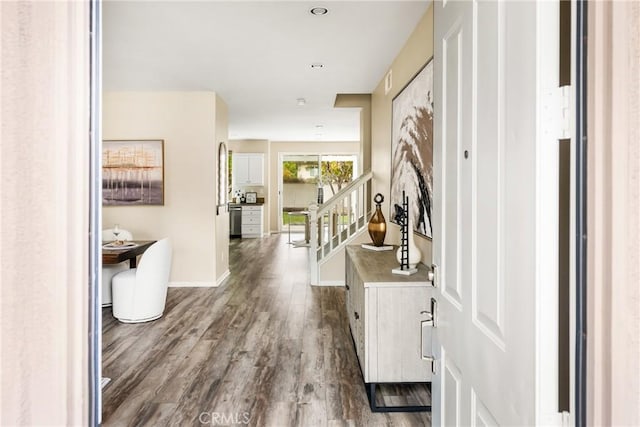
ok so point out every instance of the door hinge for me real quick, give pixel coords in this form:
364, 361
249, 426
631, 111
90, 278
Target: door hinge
565, 112
556, 113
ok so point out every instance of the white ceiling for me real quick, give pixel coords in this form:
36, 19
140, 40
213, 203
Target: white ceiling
257, 56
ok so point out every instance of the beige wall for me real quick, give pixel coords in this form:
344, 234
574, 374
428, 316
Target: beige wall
613, 219
44, 212
415, 53
222, 217
186, 121
278, 148
362, 102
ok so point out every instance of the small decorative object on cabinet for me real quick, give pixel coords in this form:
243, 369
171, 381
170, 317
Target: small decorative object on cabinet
377, 228
251, 197
391, 322
408, 254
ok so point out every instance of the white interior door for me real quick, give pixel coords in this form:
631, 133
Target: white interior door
495, 197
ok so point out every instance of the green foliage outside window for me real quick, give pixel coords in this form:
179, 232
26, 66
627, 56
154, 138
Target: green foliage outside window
336, 174
299, 172
290, 171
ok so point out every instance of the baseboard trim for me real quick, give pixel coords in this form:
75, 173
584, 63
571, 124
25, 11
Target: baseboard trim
330, 283
223, 278
192, 285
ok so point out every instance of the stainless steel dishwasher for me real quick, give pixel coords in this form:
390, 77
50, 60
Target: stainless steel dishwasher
235, 221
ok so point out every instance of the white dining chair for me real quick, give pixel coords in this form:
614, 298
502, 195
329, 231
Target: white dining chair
108, 271
140, 294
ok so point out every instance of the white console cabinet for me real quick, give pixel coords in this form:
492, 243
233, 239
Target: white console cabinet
386, 316
251, 221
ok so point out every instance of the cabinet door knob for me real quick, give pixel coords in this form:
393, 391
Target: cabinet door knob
356, 315
347, 286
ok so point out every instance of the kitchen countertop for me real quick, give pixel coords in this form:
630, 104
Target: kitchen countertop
245, 204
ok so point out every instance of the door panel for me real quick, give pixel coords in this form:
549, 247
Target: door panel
480, 415
451, 74
488, 171
452, 392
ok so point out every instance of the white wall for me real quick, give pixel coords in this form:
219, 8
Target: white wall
186, 121
44, 213
415, 53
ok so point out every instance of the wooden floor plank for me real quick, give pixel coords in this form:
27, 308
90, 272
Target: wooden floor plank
264, 349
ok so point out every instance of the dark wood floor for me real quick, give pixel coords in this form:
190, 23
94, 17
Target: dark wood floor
263, 349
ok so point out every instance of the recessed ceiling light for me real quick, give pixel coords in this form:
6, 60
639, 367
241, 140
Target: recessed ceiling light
318, 11
301, 101
317, 65
319, 126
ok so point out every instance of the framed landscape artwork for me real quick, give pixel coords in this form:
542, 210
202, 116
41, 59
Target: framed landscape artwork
133, 172
412, 149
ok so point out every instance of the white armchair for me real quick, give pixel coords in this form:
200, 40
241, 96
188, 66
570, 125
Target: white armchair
140, 294
108, 271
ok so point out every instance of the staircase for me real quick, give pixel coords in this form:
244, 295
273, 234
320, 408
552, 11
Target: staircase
336, 223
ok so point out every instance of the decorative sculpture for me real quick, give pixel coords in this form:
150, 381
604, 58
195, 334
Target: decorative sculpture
377, 228
377, 224
408, 254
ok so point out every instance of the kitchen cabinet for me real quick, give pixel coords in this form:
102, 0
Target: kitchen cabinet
248, 169
251, 221
387, 315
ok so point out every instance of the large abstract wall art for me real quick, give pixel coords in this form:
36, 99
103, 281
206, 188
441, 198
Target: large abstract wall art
412, 149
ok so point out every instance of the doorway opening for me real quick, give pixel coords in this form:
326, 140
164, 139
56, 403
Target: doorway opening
305, 179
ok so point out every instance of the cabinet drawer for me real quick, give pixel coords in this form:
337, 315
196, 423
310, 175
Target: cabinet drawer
249, 220
251, 215
251, 229
251, 209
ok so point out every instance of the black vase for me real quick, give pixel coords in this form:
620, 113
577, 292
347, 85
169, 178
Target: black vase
377, 224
